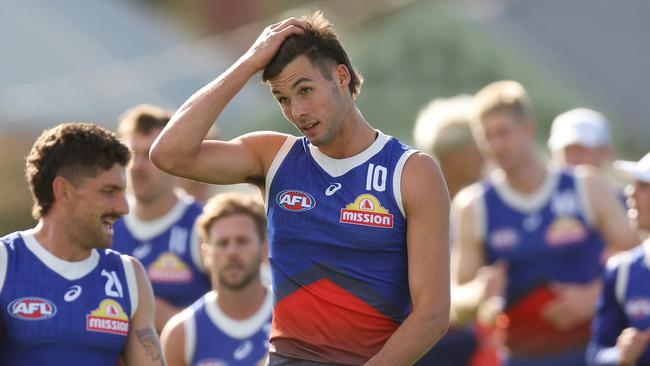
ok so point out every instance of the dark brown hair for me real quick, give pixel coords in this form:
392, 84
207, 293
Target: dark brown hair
143, 119
73, 151
321, 46
228, 204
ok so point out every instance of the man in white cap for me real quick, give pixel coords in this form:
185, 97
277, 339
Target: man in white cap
580, 136
621, 328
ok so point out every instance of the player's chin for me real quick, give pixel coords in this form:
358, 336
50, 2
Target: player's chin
104, 241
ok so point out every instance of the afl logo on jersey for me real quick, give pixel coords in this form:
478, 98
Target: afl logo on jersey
296, 201
32, 308
638, 308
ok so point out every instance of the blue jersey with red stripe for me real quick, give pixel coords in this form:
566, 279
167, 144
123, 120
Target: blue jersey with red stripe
623, 303
337, 236
169, 251
54, 312
544, 238
213, 338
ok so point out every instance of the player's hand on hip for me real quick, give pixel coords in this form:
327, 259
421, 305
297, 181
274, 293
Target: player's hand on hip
268, 43
631, 344
574, 304
494, 279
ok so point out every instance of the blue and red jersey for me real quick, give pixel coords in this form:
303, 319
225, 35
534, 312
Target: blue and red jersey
337, 235
543, 238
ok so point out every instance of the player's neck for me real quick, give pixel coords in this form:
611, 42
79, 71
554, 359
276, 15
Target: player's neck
244, 303
528, 176
53, 237
156, 208
355, 135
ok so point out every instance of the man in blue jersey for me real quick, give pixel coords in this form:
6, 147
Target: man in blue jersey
65, 299
621, 327
537, 233
353, 284
159, 230
231, 324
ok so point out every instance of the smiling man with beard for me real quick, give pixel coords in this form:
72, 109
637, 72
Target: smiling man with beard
230, 325
65, 298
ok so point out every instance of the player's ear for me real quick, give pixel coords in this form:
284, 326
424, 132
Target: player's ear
205, 250
61, 189
342, 76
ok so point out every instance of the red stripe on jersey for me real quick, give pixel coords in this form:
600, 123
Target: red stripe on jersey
529, 334
324, 322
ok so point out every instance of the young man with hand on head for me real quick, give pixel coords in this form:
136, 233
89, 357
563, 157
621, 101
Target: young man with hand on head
353, 283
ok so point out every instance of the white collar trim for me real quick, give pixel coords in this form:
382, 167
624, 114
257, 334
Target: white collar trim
338, 167
234, 328
526, 202
147, 230
68, 270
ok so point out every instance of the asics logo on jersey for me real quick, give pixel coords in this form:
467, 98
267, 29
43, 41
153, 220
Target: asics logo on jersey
243, 350
72, 294
294, 200
332, 189
142, 251
32, 308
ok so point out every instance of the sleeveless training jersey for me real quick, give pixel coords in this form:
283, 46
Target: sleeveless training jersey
337, 236
54, 312
543, 238
168, 248
624, 303
213, 338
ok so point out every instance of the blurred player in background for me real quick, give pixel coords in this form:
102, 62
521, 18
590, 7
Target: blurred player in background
541, 232
65, 298
159, 230
581, 136
621, 327
442, 130
231, 324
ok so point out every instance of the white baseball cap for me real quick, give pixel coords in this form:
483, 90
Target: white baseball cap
579, 126
639, 171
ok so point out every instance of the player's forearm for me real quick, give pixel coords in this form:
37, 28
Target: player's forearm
180, 141
419, 332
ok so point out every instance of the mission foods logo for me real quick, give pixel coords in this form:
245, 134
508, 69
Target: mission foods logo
108, 318
296, 201
31, 308
367, 211
169, 268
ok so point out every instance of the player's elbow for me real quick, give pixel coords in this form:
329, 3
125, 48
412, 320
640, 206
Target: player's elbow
164, 157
